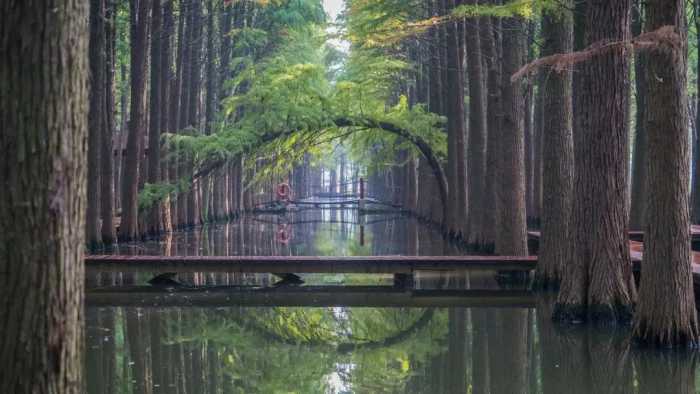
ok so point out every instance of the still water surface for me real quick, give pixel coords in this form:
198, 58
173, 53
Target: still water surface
225, 346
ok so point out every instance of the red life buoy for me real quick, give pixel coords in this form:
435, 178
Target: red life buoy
283, 191
283, 235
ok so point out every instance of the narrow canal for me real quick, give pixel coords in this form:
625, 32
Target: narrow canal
186, 338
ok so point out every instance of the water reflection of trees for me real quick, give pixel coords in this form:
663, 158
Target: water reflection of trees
257, 349
229, 350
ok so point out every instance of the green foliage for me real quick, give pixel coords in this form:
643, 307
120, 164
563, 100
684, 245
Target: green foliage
286, 101
154, 193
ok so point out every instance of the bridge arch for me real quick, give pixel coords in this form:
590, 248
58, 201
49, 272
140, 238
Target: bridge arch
364, 123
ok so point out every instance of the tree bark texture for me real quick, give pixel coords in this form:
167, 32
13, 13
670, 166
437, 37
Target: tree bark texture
557, 151
44, 75
96, 121
491, 50
153, 219
477, 132
598, 285
107, 174
512, 232
456, 133
696, 157
666, 313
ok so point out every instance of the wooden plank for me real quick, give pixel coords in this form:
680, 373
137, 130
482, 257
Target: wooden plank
306, 296
306, 264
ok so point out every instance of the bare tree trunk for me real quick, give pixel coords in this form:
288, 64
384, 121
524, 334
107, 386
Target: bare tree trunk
491, 50
512, 234
194, 207
166, 85
597, 284
128, 228
44, 99
96, 121
695, 212
184, 75
153, 219
208, 192
477, 133
666, 314
456, 134
107, 186
557, 151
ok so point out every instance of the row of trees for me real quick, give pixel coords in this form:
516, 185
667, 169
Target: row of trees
181, 57
550, 140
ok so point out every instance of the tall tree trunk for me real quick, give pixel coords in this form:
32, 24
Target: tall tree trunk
194, 207
137, 123
638, 194
153, 220
512, 236
184, 75
597, 284
96, 121
491, 50
477, 132
666, 313
557, 151
107, 165
210, 110
695, 212
44, 100
435, 81
456, 134
166, 98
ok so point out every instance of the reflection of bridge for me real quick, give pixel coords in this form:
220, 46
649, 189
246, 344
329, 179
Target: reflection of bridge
306, 296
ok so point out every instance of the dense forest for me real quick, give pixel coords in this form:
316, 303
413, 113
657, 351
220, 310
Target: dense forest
125, 120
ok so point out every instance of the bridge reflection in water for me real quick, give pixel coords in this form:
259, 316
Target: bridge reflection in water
443, 331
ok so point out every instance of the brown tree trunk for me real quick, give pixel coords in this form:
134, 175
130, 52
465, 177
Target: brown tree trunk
107, 174
96, 122
184, 50
666, 313
491, 49
210, 110
638, 194
695, 212
153, 219
44, 100
194, 207
166, 88
512, 234
128, 228
477, 132
456, 134
557, 151
597, 283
